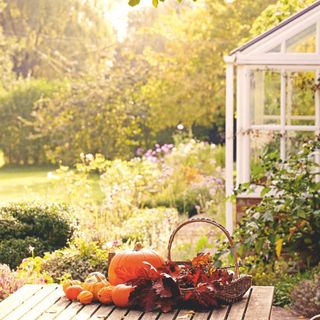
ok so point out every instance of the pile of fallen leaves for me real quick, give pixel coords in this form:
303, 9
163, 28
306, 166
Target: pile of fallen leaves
171, 285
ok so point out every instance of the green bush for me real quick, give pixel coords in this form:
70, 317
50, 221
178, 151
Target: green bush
288, 217
77, 261
40, 225
13, 251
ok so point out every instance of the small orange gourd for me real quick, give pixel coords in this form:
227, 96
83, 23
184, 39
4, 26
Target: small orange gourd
68, 283
73, 291
85, 297
96, 288
105, 295
97, 275
120, 295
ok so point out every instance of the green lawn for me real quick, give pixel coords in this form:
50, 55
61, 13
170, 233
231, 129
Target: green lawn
25, 183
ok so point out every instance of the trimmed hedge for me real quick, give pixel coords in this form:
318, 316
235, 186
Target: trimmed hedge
44, 226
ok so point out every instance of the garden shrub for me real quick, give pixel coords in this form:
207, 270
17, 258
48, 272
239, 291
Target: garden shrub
150, 227
41, 225
288, 217
306, 297
77, 261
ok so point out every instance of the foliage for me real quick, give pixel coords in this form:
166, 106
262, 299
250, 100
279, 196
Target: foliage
76, 261
11, 281
19, 139
154, 2
288, 217
33, 228
275, 13
306, 297
150, 227
54, 41
8, 282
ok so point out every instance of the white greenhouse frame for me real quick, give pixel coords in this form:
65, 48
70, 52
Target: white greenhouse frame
269, 51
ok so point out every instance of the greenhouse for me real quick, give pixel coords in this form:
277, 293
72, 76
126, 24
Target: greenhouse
275, 96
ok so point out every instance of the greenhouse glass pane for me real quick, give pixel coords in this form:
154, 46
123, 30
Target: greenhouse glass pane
304, 41
276, 49
300, 109
265, 97
262, 142
295, 139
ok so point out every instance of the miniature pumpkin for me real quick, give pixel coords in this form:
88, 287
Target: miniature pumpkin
105, 295
85, 297
73, 291
96, 288
120, 295
97, 275
124, 265
69, 283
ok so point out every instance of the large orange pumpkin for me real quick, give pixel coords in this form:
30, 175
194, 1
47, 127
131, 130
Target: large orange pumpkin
105, 295
120, 295
73, 291
85, 297
124, 265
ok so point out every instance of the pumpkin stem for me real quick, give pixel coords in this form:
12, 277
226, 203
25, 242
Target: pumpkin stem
138, 246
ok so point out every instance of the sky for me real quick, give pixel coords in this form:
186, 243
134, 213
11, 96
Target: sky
118, 15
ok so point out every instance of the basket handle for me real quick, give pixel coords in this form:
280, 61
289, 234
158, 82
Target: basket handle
218, 225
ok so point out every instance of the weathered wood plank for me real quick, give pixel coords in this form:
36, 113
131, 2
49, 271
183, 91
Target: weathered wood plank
102, 313
134, 315
169, 315
18, 298
220, 314
55, 309
33, 301
118, 314
71, 310
201, 316
45, 304
260, 303
238, 309
150, 315
86, 312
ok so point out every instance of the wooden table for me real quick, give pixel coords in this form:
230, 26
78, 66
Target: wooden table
47, 302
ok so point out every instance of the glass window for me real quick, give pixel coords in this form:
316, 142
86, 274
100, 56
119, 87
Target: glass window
295, 139
265, 97
304, 41
300, 109
276, 49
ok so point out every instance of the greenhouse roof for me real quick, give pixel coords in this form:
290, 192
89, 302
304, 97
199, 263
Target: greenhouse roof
276, 28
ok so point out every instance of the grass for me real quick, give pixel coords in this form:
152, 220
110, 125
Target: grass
25, 183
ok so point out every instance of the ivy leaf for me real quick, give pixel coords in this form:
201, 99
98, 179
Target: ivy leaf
133, 3
279, 243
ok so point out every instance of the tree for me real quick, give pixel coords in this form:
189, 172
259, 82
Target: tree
154, 2
57, 38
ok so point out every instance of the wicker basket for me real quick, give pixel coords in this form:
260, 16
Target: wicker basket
228, 293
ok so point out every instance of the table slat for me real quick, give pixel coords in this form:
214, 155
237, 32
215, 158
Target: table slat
18, 298
102, 313
117, 314
150, 315
201, 316
238, 309
260, 303
86, 312
55, 309
71, 310
134, 315
27, 305
169, 315
220, 314
45, 304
